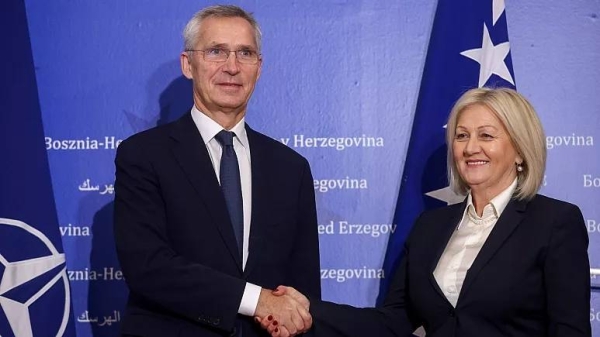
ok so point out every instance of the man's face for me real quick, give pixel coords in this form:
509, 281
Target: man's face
222, 86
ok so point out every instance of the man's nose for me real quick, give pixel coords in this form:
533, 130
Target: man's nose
231, 65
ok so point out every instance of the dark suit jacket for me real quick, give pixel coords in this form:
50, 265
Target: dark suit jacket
531, 278
175, 241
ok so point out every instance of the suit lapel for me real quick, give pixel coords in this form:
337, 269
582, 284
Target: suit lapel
509, 220
260, 203
440, 243
191, 153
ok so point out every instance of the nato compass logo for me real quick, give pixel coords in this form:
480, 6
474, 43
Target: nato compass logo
34, 288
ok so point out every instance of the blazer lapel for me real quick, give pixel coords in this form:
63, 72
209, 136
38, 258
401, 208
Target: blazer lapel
508, 221
260, 203
440, 243
191, 153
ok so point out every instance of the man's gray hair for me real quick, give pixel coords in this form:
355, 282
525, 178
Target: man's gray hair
192, 28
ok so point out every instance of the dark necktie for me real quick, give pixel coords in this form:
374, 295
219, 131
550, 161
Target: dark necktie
231, 186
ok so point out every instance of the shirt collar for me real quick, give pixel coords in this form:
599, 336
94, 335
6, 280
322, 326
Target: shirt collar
209, 128
497, 204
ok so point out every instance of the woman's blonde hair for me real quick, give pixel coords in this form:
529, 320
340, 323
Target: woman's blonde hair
523, 126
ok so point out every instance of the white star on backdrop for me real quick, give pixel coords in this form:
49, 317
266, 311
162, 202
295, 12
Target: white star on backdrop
490, 58
498, 9
446, 195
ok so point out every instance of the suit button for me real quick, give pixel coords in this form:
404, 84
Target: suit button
452, 313
215, 321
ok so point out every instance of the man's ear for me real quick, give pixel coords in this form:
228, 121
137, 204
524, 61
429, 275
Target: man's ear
259, 69
186, 65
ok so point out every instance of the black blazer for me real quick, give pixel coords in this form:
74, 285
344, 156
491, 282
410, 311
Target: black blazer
531, 278
176, 244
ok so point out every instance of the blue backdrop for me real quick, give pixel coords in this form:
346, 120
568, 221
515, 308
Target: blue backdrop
339, 84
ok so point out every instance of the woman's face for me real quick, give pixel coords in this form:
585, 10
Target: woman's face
483, 151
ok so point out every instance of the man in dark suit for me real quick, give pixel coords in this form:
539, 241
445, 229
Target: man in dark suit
210, 214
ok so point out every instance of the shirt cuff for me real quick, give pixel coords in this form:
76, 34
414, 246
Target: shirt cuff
249, 299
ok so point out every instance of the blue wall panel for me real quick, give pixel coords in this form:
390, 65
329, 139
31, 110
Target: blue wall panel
348, 71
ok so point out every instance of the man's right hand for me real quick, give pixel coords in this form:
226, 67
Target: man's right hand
286, 310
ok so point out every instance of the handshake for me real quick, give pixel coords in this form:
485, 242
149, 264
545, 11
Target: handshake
283, 312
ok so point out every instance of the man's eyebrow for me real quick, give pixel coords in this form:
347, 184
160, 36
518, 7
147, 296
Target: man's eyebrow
245, 47
226, 46
217, 45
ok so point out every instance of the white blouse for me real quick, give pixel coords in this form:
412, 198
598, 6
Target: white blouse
466, 242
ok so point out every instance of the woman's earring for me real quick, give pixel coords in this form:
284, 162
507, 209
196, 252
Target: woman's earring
519, 167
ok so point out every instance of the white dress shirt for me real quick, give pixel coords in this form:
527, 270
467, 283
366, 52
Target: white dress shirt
208, 130
466, 242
